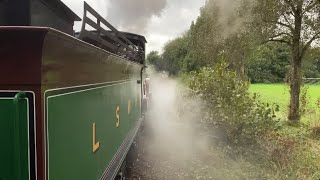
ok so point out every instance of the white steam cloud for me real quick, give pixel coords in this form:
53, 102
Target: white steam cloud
176, 143
134, 15
232, 14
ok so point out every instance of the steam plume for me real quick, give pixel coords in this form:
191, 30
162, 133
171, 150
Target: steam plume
175, 143
134, 15
230, 18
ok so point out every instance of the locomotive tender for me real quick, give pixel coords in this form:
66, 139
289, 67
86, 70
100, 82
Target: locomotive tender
70, 103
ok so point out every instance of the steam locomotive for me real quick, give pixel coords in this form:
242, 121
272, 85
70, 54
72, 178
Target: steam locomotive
70, 103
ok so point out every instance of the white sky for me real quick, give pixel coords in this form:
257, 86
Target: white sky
175, 19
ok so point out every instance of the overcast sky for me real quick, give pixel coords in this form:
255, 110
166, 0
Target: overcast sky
158, 20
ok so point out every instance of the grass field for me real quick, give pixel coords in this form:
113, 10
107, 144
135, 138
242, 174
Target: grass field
279, 94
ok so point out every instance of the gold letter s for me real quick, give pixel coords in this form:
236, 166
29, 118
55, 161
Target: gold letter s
118, 117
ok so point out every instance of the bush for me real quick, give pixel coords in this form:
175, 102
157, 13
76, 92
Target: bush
304, 100
230, 103
315, 126
280, 150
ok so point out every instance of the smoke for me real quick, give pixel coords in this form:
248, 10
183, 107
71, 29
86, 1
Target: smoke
232, 14
134, 15
174, 119
177, 143
171, 133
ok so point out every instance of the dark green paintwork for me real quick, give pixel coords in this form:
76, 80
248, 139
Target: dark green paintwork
70, 121
12, 153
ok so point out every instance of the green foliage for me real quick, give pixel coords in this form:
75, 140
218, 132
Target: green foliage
155, 59
304, 100
214, 37
315, 125
234, 37
238, 37
297, 24
289, 158
174, 54
230, 103
311, 64
174, 58
269, 63
282, 151
223, 36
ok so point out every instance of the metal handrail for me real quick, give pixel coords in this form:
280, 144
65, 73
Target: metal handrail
120, 44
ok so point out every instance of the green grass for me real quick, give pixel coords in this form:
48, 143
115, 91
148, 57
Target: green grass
272, 93
279, 94
306, 151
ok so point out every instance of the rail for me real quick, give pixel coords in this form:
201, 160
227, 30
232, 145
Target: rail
111, 40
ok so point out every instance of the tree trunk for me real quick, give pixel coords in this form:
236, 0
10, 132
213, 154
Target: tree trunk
295, 84
295, 76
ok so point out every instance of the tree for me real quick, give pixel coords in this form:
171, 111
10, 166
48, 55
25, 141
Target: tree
222, 33
311, 64
174, 53
296, 23
155, 59
268, 63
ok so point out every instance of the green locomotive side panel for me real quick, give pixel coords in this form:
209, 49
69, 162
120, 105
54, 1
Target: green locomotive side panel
87, 127
14, 164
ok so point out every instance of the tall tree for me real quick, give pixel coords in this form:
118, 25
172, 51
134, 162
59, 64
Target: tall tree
155, 59
296, 23
222, 32
174, 53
